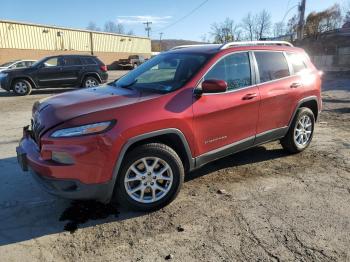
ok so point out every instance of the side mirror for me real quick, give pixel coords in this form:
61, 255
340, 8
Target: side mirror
212, 86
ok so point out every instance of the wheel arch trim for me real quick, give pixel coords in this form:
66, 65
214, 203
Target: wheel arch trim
133, 140
27, 78
90, 74
306, 99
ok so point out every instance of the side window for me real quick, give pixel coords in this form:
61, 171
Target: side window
88, 61
29, 63
19, 65
234, 69
71, 61
51, 62
271, 65
297, 62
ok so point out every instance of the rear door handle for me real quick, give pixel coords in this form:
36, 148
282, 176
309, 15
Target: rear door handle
295, 85
249, 96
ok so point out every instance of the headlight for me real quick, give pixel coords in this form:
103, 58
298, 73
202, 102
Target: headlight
83, 130
3, 75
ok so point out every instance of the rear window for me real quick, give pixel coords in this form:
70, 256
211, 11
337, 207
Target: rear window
271, 65
88, 61
297, 62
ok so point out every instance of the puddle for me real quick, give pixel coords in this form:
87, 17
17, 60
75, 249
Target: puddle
80, 212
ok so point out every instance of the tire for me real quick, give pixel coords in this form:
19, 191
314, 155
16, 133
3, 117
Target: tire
297, 141
171, 184
21, 87
90, 81
134, 66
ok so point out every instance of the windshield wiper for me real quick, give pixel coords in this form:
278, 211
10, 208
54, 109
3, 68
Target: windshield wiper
127, 85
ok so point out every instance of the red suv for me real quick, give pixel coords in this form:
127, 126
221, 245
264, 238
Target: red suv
134, 139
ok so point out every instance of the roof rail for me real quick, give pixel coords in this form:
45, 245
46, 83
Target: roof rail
248, 43
232, 44
187, 46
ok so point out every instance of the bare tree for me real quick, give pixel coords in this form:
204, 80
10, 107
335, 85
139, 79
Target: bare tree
279, 29
113, 27
93, 27
249, 26
292, 25
347, 17
130, 32
257, 26
204, 38
263, 24
224, 32
346, 12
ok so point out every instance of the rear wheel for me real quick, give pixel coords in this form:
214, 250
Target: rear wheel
90, 81
150, 177
21, 87
301, 131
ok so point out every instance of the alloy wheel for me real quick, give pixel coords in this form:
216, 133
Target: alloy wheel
21, 87
148, 180
303, 131
90, 83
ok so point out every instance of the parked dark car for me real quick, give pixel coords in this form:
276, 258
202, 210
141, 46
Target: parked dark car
55, 71
132, 61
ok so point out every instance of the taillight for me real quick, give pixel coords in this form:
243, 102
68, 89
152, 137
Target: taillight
103, 68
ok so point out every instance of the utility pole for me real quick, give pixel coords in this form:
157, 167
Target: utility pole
301, 23
160, 41
148, 28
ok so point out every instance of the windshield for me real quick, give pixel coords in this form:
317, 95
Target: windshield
164, 73
8, 64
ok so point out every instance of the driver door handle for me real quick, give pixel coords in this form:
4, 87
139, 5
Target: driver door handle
295, 85
249, 96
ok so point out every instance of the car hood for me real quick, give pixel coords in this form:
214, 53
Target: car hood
60, 108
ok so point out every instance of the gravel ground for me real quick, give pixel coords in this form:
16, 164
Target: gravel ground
258, 205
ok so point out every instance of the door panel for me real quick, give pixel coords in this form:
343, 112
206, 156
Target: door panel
276, 92
49, 76
70, 75
276, 104
72, 66
225, 118
222, 119
49, 73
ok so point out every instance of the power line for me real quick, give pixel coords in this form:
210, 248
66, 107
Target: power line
290, 9
184, 17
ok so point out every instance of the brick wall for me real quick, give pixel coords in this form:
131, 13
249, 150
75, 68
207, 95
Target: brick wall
7, 54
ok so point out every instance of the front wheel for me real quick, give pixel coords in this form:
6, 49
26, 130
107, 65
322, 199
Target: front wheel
150, 177
21, 87
301, 131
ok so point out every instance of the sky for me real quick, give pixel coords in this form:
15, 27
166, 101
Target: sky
162, 13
